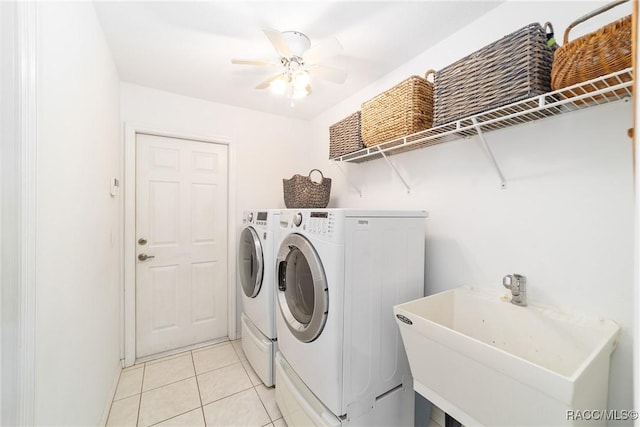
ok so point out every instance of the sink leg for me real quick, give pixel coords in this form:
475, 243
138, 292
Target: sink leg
449, 421
422, 411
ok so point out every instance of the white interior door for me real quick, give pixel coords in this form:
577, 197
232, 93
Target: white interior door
181, 226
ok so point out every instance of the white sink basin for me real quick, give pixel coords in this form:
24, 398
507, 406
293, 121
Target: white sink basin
488, 362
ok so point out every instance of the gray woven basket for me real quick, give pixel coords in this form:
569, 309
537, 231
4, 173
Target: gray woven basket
345, 137
404, 109
516, 67
302, 192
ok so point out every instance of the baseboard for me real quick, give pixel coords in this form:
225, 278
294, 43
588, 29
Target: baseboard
181, 349
112, 394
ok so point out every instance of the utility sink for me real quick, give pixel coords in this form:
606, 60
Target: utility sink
488, 362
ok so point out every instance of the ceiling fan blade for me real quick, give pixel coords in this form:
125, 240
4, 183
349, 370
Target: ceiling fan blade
331, 74
252, 62
323, 50
278, 42
265, 84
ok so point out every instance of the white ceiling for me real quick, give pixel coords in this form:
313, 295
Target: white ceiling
186, 47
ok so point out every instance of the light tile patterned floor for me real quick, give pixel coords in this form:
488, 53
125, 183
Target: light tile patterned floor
211, 386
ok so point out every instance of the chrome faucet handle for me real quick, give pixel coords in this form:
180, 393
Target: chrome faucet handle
507, 281
516, 283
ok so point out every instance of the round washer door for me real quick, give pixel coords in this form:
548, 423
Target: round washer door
250, 262
302, 288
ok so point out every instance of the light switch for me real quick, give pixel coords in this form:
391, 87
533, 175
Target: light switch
115, 187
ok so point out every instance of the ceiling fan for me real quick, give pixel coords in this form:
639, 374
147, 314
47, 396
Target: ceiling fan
299, 62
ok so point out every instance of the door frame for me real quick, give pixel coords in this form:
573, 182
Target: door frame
19, 40
128, 315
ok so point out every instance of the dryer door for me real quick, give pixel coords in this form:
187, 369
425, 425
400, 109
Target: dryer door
250, 262
302, 288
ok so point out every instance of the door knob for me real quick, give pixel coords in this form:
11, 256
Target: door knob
144, 257
142, 241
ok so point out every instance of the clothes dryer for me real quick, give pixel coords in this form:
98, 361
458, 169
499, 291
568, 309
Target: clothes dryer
339, 274
256, 262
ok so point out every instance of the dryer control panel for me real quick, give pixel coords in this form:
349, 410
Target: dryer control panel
314, 222
320, 223
326, 224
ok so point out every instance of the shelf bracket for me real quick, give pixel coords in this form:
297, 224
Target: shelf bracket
393, 168
347, 178
503, 182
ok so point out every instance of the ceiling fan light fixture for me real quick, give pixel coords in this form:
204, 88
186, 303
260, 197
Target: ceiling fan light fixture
298, 61
279, 85
300, 79
300, 92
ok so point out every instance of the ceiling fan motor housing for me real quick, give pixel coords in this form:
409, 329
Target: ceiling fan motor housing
298, 43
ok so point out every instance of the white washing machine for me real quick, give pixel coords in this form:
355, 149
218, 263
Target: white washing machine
256, 263
339, 273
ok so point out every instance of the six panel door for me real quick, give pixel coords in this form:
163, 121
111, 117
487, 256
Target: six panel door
181, 242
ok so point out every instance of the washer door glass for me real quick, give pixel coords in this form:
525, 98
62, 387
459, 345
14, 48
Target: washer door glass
250, 262
302, 288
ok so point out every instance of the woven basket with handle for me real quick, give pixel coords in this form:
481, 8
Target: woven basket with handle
404, 109
302, 192
515, 67
593, 55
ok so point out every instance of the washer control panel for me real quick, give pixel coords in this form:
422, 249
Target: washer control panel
261, 218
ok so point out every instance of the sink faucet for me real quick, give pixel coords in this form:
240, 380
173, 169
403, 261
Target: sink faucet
517, 285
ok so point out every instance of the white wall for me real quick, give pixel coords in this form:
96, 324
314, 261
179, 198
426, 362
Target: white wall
78, 245
564, 221
265, 148
566, 218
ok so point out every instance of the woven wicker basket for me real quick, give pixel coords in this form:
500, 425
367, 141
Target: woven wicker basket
404, 109
345, 137
302, 192
516, 67
593, 55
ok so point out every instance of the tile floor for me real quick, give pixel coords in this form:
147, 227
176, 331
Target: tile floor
210, 386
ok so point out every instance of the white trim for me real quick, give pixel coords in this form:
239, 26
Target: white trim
129, 272
19, 202
231, 244
178, 351
6, 70
26, 120
4, 47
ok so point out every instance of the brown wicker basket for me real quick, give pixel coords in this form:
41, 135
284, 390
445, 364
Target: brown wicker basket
593, 55
345, 137
404, 109
302, 192
516, 67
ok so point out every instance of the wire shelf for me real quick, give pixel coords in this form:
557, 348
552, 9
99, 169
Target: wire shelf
610, 88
